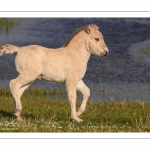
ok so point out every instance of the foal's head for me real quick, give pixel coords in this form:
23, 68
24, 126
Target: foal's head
95, 42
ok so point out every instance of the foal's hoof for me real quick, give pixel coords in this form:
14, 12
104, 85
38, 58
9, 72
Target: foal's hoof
18, 118
77, 120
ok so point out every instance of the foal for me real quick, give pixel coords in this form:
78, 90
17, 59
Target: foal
65, 64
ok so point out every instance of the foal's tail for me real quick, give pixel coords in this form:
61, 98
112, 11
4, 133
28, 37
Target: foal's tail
9, 49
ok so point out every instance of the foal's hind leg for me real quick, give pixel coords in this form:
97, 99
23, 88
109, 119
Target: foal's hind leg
86, 93
17, 87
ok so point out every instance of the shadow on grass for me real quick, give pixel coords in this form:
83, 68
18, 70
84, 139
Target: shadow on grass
29, 116
6, 114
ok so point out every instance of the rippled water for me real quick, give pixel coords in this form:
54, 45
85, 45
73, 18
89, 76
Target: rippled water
121, 75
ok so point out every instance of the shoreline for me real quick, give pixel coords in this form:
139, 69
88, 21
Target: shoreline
103, 92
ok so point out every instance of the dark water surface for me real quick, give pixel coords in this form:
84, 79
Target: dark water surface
123, 75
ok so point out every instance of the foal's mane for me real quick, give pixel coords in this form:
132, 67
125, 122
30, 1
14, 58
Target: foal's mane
77, 31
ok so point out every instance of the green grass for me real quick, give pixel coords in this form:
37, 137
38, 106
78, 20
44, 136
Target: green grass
46, 114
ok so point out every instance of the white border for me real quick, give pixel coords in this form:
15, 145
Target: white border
72, 14
76, 5
67, 141
53, 135
72, 144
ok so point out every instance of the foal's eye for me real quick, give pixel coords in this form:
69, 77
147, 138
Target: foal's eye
96, 39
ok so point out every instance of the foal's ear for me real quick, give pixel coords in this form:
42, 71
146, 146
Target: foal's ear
87, 29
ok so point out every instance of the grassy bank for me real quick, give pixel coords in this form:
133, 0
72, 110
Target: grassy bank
46, 114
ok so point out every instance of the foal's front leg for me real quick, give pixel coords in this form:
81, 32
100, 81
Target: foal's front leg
71, 89
86, 93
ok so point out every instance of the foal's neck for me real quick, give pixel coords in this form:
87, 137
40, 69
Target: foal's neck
77, 46
79, 50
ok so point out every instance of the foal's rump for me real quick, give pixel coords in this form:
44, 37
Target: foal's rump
28, 61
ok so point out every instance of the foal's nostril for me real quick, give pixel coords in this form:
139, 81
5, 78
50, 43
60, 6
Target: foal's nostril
106, 52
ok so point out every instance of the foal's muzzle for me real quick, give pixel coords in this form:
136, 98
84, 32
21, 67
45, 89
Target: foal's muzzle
105, 52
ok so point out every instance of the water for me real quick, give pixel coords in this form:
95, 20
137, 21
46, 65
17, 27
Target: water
123, 75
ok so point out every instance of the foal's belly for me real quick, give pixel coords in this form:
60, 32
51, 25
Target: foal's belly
53, 76
51, 79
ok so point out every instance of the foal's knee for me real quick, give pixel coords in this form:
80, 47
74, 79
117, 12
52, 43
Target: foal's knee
87, 92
